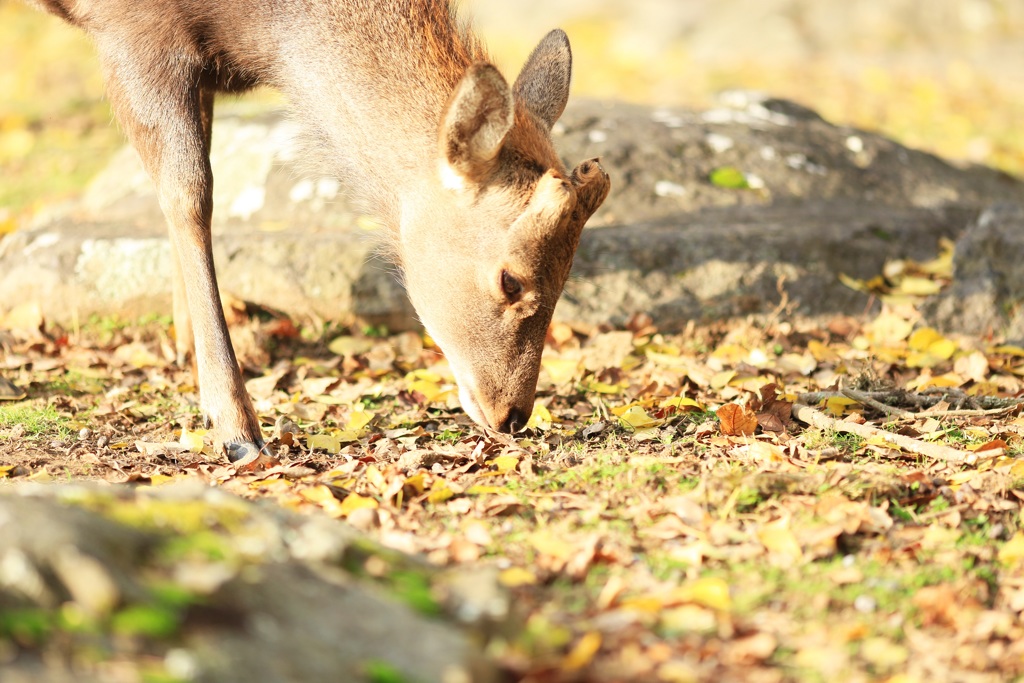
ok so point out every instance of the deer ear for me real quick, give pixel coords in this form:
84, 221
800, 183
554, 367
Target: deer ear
543, 84
474, 125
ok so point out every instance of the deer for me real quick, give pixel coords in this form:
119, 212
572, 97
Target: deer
403, 102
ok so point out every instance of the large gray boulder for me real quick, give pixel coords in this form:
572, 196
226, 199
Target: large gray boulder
193, 583
712, 213
987, 292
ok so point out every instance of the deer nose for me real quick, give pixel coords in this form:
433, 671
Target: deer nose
515, 421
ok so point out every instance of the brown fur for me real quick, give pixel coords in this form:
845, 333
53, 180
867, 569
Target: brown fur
403, 102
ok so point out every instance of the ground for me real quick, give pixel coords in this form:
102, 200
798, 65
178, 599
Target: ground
664, 516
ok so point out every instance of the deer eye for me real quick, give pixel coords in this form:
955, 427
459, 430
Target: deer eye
511, 287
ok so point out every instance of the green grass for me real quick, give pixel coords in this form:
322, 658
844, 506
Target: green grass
35, 421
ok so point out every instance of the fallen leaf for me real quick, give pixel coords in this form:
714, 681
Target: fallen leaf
736, 420
353, 502
779, 541
1012, 552
582, 653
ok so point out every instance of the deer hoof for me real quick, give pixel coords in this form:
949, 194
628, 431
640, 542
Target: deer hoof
246, 455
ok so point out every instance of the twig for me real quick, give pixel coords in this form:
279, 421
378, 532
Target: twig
865, 399
924, 400
816, 418
964, 413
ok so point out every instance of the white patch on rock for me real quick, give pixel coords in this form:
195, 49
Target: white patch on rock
247, 202
327, 187
667, 188
597, 136
855, 144
125, 268
302, 191
667, 118
719, 143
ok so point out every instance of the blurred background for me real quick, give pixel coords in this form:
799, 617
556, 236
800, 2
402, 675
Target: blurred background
946, 76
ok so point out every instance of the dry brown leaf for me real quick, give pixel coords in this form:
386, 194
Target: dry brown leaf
737, 420
774, 414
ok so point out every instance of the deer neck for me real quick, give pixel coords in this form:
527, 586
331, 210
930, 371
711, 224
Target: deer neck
372, 89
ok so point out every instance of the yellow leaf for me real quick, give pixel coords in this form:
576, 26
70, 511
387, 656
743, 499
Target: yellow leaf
374, 477
853, 283
359, 419
603, 387
560, 370
7, 225
837, 405
324, 442
540, 418
440, 493
5, 470
918, 286
582, 652
780, 542
958, 478
636, 417
1017, 468
941, 265
668, 360
417, 482
317, 494
424, 374
730, 353
505, 463
681, 404
803, 363
883, 653
514, 577
822, 352
430, 390
688, 619
478, 490
708, 591
950, 379
1012, 552
917, 359
272, 486
192, 441
138, 356
353, 502
760, 451
546, 543
1008, 350
922, 338
721, 380
943, 348
889, 328
347, 435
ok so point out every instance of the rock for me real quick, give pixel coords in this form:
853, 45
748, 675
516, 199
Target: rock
796, 157
807, 201
220, 590
987, 293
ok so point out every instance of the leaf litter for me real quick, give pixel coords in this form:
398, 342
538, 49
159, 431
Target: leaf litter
735, 502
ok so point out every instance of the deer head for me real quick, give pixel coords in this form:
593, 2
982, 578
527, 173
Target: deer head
487, 243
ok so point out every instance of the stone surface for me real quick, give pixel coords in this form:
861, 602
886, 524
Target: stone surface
821, 200
987, 293
282, 598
